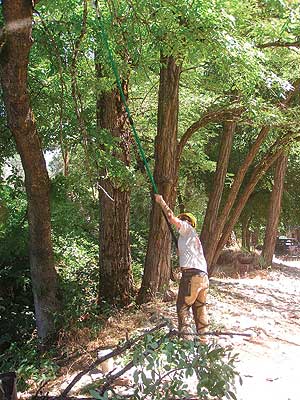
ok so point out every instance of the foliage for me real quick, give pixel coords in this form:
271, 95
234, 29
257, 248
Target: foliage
205, 364
74, 225
16, 316
13, 225
18, 351
167, 367
74, 238
7, 146
76, 260
218, 45
28, 363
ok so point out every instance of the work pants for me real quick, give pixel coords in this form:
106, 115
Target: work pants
192, 293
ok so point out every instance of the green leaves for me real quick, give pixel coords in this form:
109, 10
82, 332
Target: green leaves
165, 366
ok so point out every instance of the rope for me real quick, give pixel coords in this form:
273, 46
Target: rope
136, 137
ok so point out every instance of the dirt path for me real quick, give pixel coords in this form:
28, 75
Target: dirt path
267, 307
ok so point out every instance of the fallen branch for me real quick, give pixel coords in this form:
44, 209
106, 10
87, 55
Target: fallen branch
46, 397
212, 333
111, 378
39, 390
119, 350
93, 398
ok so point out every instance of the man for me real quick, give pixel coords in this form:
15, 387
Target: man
194, 281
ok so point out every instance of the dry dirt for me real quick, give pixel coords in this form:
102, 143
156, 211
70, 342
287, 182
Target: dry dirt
263, 304
266, 305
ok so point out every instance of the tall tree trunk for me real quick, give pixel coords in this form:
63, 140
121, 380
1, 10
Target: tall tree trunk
158, 263
115, 280
274, 210
212, 210
14, 64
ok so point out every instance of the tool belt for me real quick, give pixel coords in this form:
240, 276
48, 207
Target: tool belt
192, 271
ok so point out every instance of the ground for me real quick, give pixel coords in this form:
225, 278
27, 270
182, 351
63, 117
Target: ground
264, 304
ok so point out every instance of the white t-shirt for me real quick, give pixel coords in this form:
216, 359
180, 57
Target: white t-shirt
190, 248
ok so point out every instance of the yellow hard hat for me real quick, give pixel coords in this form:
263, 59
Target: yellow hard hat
190, 217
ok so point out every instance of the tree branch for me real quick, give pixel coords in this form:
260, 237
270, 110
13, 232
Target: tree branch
212, 116
279, 43
130, 365
291, 94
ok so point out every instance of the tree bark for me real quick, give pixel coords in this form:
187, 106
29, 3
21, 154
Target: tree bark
158, 261
212, 210
274, 210
21, 122
115, 280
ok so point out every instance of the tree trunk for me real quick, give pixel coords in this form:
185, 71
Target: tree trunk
274, 210
211, 215
115, 280
14, 64
246, 235
158, 263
